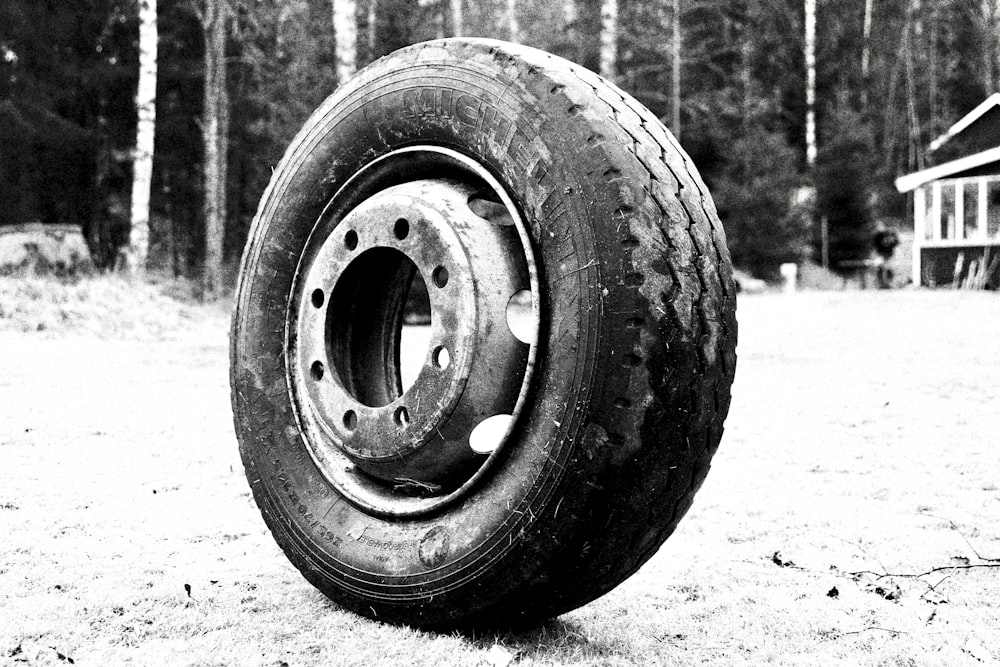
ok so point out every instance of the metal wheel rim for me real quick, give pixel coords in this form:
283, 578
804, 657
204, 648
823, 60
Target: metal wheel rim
398, 167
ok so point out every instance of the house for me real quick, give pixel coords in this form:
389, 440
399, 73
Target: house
956, 204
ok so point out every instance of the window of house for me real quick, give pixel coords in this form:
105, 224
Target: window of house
947, 220
926, 220
993, 209
970, 206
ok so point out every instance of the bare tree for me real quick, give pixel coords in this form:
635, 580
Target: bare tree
513, 30
371, 26
866, 52
990, 69
569, 12
215, 137
912, 30
142, 163
439, 19
457, 21
609, 39
675, 98
933, 88
995, 31
571, 31
810, 55
345, 28
437, 10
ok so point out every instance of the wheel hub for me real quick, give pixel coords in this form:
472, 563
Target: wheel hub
346, 361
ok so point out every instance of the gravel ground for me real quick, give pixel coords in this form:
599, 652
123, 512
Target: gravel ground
862, 442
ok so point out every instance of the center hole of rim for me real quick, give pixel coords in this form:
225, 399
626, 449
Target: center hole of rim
378, 326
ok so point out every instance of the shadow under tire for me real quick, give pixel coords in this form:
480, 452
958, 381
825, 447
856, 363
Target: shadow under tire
492, 170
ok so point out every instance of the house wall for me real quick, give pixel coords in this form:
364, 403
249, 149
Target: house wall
938, 265
953, 216
957, 209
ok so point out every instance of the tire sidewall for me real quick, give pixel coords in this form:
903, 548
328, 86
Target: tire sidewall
522, 510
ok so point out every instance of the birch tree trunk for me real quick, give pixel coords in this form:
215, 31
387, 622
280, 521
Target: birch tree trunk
609, 39
142, 164
995, 31
866, 53
991, 46
439, 23
372, 29
215, 124
457, 20
569, 12
913, 29
513, 30
345, 29
810, 26
933, 93
571, 31
746, 88
675, 83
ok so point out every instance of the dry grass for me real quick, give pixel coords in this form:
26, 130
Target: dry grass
863, 437
103, 306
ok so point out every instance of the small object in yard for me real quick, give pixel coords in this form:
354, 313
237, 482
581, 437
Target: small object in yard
747, 284
884, 241
789, 277
889, 591
933, 597
498, 656
833, 593
975, 648
777, 559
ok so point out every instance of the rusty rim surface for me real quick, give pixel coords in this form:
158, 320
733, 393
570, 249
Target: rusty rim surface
400, 451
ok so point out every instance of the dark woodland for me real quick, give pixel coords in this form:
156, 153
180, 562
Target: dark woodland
884, 89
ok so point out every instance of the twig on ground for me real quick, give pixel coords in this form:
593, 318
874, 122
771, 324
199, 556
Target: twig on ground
911, 575
894, 592
872, 628
856, 544
966, 540
986, 563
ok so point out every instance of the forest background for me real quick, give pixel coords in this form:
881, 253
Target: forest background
235, 79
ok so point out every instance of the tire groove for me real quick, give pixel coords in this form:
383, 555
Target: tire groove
701, 305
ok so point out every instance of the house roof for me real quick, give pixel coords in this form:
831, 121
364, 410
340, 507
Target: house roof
990, 103
953, 168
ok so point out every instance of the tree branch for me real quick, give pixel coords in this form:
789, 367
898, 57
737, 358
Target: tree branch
904, 575
872, 628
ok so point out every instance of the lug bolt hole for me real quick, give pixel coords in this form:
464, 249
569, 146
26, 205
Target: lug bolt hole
488, 434
401, 229
350, 420
402, 417
440, 276
317, 370
441, 357
351, 239
318, 298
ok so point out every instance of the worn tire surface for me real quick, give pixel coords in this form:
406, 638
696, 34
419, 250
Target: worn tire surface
636, 349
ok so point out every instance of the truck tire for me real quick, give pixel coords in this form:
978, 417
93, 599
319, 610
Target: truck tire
582, 307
